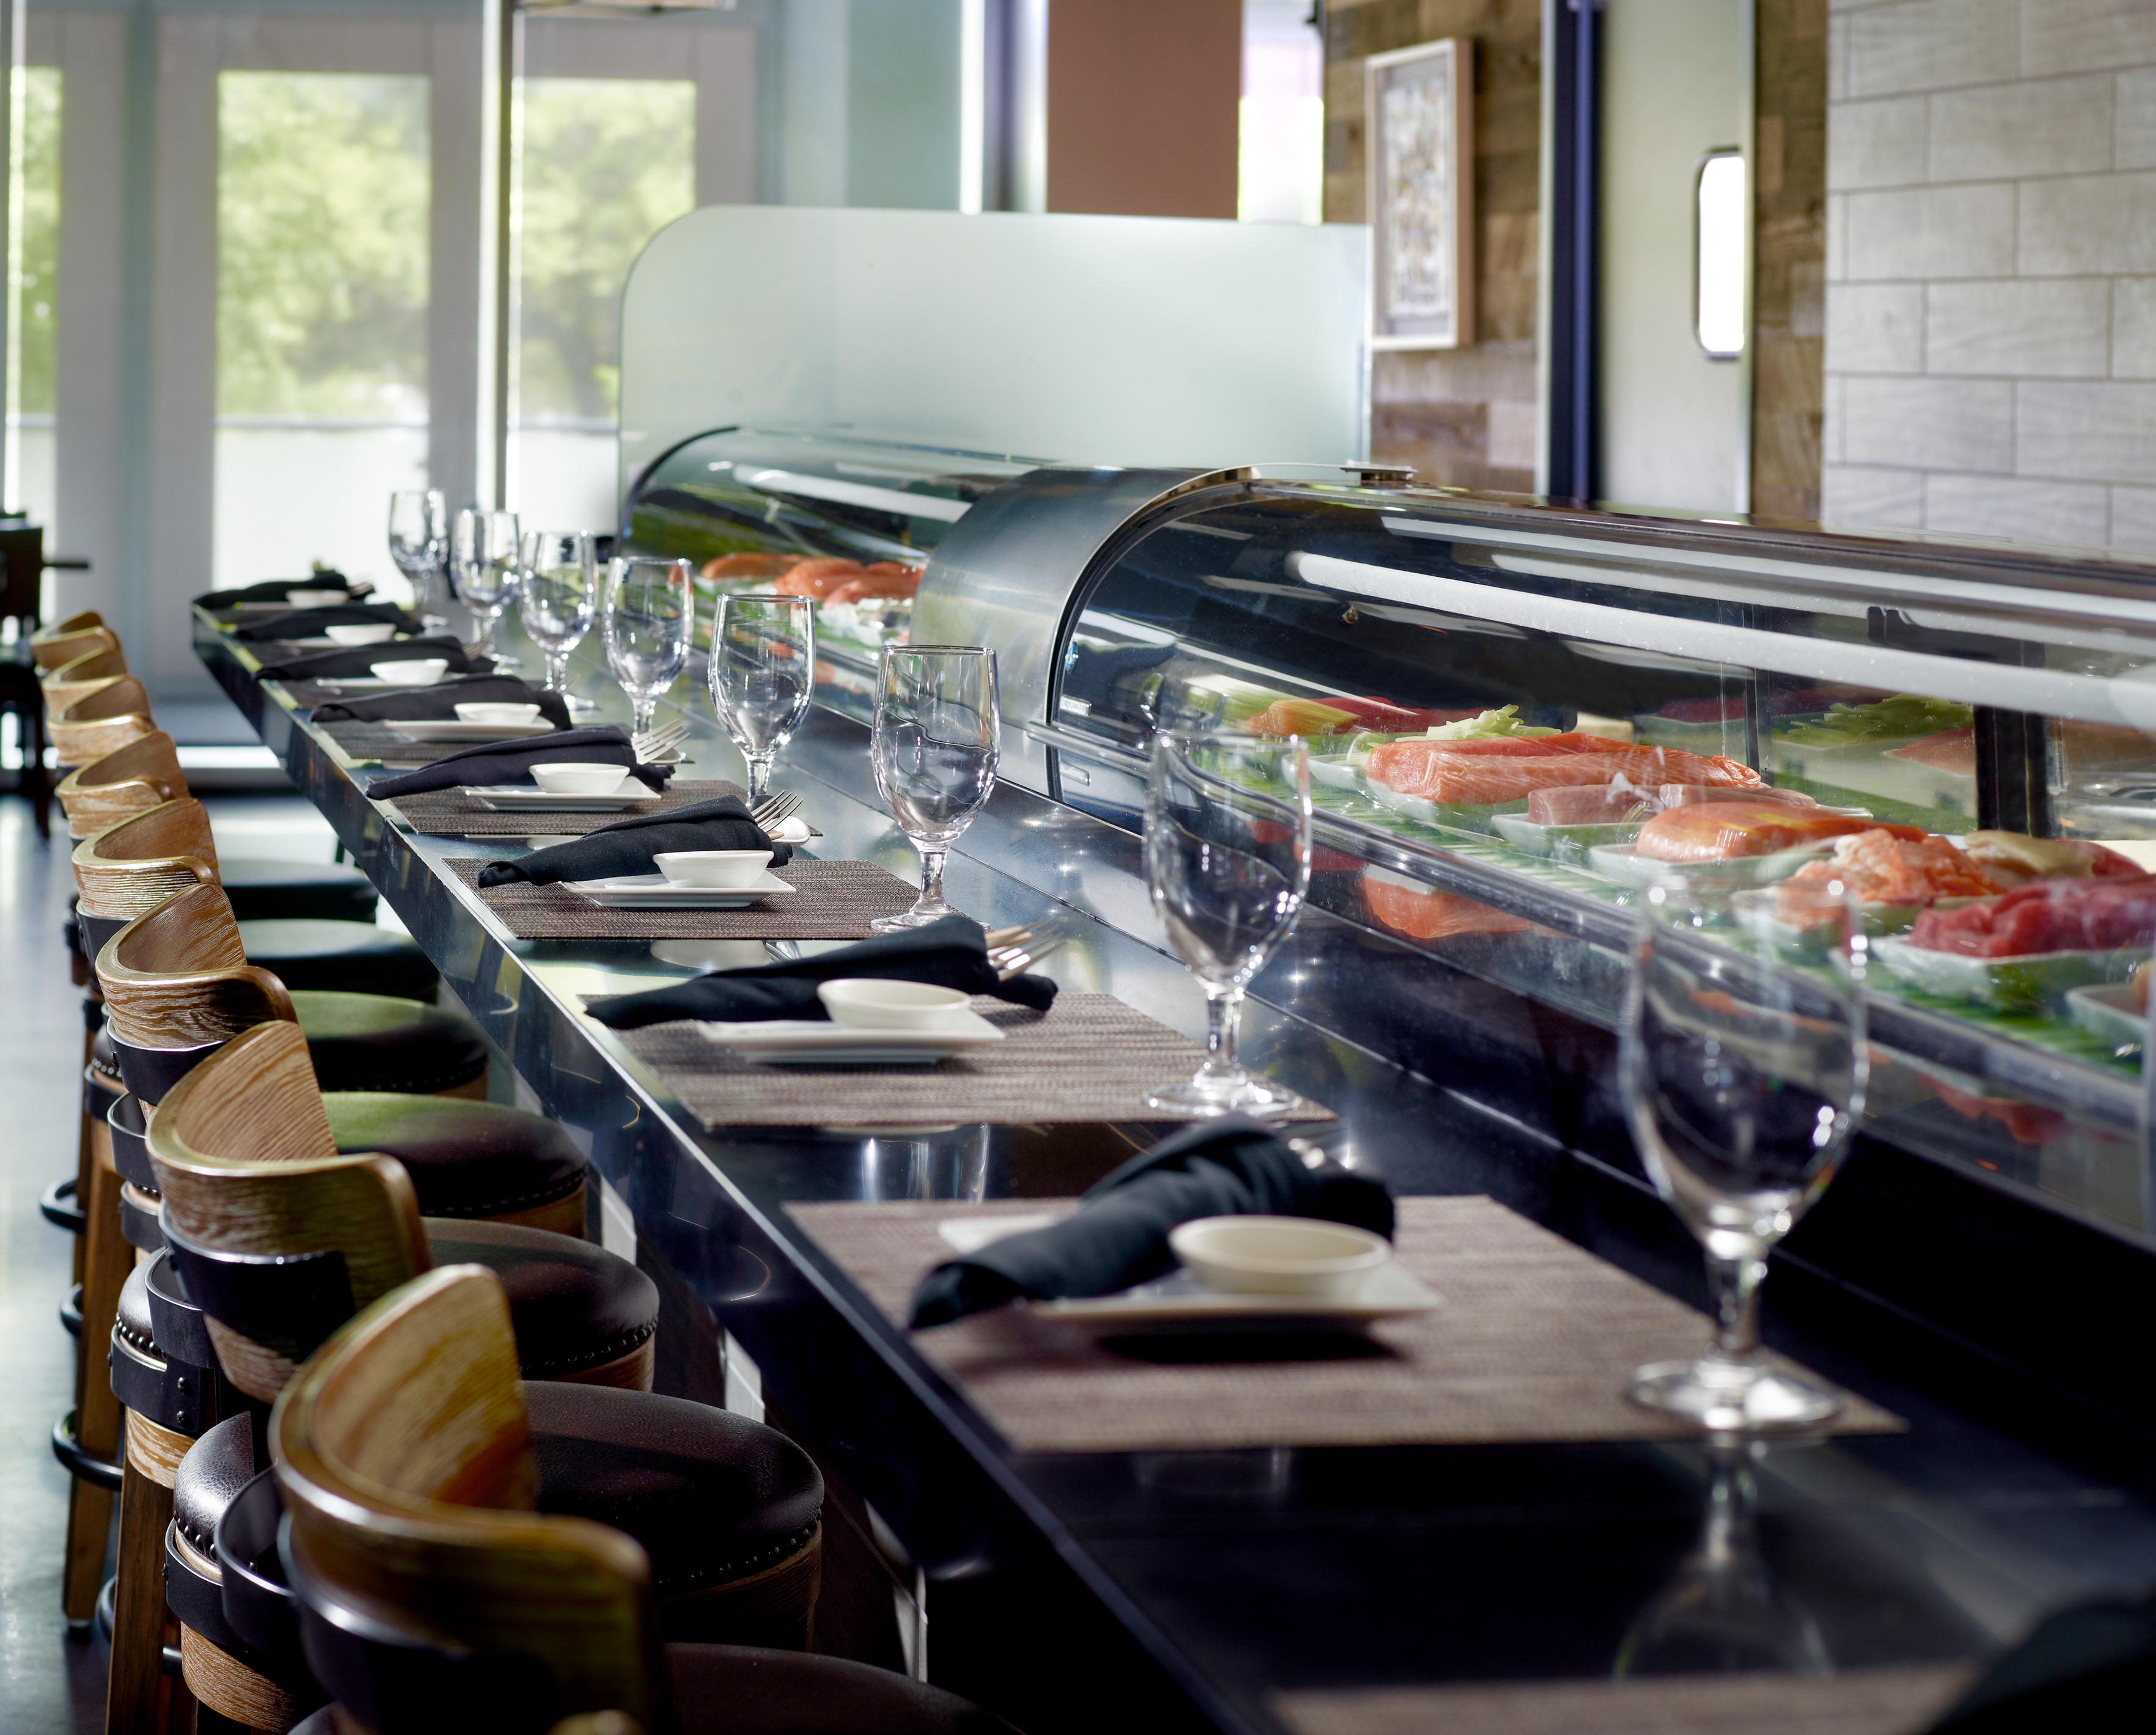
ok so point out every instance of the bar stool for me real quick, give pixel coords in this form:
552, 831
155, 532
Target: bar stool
281, 1244
21, 695
82, 677
108, 717
436, 1596
77, 636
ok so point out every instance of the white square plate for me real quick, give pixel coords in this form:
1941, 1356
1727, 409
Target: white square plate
806, 1042
523, 799
1179, 1303
655, 891
451, 729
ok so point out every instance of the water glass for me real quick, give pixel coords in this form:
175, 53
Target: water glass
1227, 856
557, 596
937, 734
483, 556
419, 546
1743, 1077
762, 676
649, 614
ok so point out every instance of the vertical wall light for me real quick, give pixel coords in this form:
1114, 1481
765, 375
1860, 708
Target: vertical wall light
972, 104
1719, 244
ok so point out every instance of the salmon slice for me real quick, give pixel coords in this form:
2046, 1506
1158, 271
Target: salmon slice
1427, 769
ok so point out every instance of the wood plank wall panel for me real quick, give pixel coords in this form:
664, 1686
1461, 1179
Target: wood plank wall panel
1789, 258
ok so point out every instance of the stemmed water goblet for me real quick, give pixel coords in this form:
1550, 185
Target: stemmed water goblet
1743, 1077
483, 557
556, 599
762, 675
419, 546
936, 737
1227, 855
649, 616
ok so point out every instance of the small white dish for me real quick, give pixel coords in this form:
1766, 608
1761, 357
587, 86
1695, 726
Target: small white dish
653, 891
493, 712
443, 729
708, 869
573, 777
316, 599
788, 1042
372, 632
1253, 1254
868, 1002
522, 798
411, 672
1178, 1305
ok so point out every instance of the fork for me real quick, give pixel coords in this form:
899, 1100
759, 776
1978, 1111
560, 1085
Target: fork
775, 808
649, 743
1016, 960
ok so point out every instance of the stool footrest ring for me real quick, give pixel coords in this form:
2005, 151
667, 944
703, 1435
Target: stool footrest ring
71, 1313
85, 1467
56, 1205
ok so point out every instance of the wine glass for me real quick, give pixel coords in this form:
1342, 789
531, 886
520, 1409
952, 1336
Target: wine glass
650, 613
762, 675
1743, 1077
555, 597
483, 555
1227, 855
419, 545
937, 735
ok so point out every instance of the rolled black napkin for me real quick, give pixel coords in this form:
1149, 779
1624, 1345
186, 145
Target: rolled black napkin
949, 954
1118, 1235
2090, 1668
360, 658
311, 623
511, 762
275, 590
428, 704
627, 846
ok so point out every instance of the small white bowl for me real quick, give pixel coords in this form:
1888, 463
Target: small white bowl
412, 671
1278, 1255
482, 710
574, 778
871, 1002
712, 870
315, 599
376, 632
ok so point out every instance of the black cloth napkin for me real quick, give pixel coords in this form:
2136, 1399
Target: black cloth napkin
360, 658
949, 954
2090, 1668
439, 702
1118, 1234
309, 622
511, 762
628, 846
275, 590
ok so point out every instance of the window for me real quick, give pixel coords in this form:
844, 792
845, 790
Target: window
33, 305
323, 202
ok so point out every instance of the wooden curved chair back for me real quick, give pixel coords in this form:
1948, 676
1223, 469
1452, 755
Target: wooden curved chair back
77, 636
404, 1456
78, 679
247, 1164
128, 781
129, 869
178, 977
100, 722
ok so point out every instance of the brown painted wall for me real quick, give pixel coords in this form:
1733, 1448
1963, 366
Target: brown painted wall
1143, 100
1789, 260
1464, 418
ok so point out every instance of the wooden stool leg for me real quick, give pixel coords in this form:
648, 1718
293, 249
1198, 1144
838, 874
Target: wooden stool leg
108, 1260
83, 1159
140, 1698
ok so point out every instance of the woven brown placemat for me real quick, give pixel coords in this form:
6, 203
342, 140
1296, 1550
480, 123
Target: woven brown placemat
457, 812
1534, 1341
378, 740
1090, 1058
837, 900
1867, 1701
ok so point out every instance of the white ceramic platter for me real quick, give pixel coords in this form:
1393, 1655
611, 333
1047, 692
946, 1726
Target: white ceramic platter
655, 891
803, 1042
522, 798
450, 729
1179, 1303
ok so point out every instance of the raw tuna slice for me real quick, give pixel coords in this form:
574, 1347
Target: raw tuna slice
2048, 916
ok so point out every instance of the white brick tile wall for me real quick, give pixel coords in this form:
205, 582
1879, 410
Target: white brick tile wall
1933, 423
2133, 131
1852, 495
2071, 512
1932, 45
2087, 224
1837, 58
1932, 232
2133, 327
1876, 327
1837, 237
2045, 127
2086, 35
1878, 143
2133, 518
2073, 431
2046, 329
1832, 422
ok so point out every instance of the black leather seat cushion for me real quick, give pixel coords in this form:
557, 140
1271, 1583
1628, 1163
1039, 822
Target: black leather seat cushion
465, 1159
377, 1042
742, 1690
216, 1467
353, 957
710, 1496
131, 1316
267, 891
575, 1306
102, 1060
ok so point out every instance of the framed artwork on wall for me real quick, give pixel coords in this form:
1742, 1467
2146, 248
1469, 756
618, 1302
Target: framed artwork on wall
1418, 144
